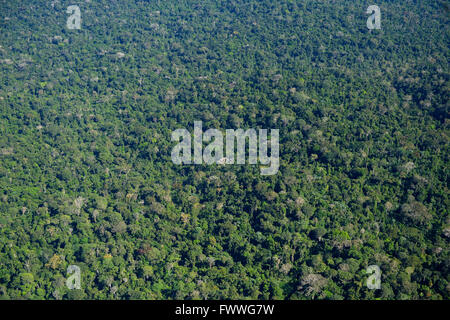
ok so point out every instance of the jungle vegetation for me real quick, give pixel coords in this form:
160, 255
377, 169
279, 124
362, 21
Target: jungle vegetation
86, 178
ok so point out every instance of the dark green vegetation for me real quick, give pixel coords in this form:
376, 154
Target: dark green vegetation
86, 176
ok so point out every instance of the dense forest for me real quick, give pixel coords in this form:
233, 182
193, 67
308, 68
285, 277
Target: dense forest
86, 176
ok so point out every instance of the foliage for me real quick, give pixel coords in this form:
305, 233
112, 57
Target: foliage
86, 176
